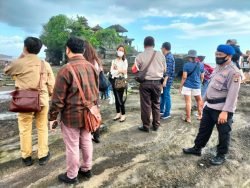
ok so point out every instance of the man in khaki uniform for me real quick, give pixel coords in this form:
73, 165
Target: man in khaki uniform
150, 89
221, 98
26, 71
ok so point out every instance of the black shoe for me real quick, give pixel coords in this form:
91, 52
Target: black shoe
87, 174
193, 151
218, 160
154, 128
65, 179
142, 128
44, 160
27, 161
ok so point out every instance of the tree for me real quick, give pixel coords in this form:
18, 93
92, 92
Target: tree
83, 21
59, 28
108, 38
54, 36
81, 29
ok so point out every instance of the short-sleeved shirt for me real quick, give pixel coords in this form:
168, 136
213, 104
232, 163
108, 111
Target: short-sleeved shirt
208, 70
238, 53
158, 65
193, 80
225, 83
120, 64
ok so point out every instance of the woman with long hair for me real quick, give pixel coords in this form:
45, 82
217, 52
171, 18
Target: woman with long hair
119, 68
92, 57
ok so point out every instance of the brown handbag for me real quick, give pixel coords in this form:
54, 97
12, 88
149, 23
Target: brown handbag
121, 83
26, 100
92, 115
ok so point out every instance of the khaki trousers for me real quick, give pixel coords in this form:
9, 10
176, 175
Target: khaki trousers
25, 131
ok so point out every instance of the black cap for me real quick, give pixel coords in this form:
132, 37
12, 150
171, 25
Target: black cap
167, 46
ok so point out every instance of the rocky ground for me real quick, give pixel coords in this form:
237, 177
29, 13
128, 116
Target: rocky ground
129, 158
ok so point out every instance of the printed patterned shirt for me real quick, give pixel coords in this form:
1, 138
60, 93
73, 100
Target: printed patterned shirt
170, 63
66, 98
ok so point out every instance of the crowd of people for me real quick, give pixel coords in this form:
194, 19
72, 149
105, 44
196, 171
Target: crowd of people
215, 92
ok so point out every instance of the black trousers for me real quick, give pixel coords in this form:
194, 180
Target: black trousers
208, 121
119, 104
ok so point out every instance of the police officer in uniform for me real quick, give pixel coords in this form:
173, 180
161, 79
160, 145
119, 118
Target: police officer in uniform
221, 98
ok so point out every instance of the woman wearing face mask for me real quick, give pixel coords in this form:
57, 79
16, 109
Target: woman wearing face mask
119, 68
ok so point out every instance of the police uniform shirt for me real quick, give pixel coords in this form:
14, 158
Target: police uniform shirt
225, 83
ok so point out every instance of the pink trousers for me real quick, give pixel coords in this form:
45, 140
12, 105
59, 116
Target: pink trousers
76, 139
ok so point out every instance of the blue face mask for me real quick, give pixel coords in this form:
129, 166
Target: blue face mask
220, 60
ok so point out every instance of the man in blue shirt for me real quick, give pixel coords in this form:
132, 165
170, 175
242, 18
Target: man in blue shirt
168, 81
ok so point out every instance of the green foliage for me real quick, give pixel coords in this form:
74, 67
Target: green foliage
56, 32
108, 38
129, 49
83, 21
59, 28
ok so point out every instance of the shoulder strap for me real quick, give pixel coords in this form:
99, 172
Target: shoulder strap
151, 60
77, 83
193, 70
41, 74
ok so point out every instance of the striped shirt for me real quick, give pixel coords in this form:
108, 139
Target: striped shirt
66, 98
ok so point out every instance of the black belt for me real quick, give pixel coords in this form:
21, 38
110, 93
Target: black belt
152, 81
216, 101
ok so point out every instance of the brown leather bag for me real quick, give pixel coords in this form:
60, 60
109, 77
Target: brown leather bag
92, 115
26, 100
121, 83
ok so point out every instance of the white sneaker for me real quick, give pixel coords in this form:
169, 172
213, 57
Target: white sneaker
165, 117
111, 99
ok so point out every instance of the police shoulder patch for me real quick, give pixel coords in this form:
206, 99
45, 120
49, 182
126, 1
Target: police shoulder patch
236, 77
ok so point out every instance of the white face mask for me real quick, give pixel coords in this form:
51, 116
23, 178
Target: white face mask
120, 53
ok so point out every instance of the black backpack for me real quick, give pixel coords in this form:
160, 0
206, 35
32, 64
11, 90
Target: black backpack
103, 82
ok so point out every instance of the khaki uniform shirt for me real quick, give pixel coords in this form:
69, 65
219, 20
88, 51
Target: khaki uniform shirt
225, 83
156, 69
26, 72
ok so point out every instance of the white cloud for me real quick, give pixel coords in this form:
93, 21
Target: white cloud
217, 23
13, 46
4, 40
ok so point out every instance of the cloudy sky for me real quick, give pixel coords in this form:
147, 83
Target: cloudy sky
193, 24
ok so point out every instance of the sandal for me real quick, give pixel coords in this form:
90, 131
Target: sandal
199, 118
117, 117
122, 119
185, 119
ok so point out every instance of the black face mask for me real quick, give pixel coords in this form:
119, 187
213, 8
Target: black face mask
220, 60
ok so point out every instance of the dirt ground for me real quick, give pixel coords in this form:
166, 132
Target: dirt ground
127, 157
